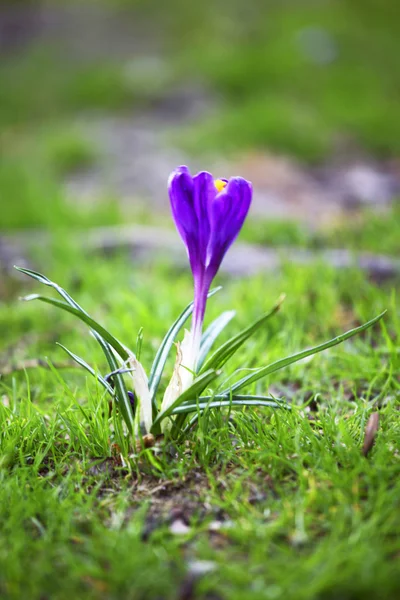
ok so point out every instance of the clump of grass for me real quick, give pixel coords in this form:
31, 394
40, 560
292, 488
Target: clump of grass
140, 411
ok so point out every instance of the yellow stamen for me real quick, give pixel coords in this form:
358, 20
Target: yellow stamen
219, 184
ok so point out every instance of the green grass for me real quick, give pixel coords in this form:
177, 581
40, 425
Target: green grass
271, 93
300, 77
283, 504
45, 84
368, 231
266, 61
33, 168
68, 151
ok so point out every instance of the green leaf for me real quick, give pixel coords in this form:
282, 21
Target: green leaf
83, 316
163, 351
284, 362
120, 389
278, 401
227, 350
199, 384
46, 281
88, 368
201, 406
211, 334
266, 401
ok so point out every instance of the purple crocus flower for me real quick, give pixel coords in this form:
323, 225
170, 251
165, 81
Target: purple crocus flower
208, 214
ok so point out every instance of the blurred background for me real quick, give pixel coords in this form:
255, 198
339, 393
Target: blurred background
100, 100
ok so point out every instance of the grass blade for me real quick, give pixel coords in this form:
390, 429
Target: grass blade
245, 397
157, 367
121, 393
224, 352
267, 401
211, 334
201, 406
46, 281
88, 368
83, 316
163, 351
284, 362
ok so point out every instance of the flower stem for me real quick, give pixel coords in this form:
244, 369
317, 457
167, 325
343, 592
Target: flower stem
201, 289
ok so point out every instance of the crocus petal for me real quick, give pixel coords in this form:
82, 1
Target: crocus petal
185, 195
204, 194
181, 191
228, 213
